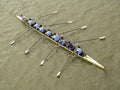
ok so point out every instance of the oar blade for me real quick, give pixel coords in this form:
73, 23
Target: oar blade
69, 22
27, 51
102, 38
54, 12
11, 43
42, 62
83, 27
58, 74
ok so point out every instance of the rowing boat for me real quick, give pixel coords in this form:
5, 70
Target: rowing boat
86, 57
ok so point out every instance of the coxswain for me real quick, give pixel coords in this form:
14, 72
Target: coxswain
62, 41
56, 37
23, 18
30, 22
42, 29
48, 33
70, 46
79, 51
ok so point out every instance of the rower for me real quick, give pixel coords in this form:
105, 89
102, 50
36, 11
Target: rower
62, 41
70, 46
23, 18
56, 37
79, 51
42, 29
48, 33
36, 26
30, 22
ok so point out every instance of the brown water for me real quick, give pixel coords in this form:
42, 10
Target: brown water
22, 72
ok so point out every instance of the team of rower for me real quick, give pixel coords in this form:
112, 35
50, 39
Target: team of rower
54, 36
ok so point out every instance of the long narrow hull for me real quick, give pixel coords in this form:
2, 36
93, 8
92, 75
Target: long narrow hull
86, 57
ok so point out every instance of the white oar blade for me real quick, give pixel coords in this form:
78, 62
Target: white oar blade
70, 21
102, 38
54, 12
83, 27
27, 51
11, 43
42, 62
58, 74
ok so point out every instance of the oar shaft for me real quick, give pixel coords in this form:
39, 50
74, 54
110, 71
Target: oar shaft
44, 15
100, 38
55, 24
46, 58
83, 27
22, 35
63, 67
48, 14
59, 73
35, 43
18, 38
85, 40
68, 22
50, 52
70, 31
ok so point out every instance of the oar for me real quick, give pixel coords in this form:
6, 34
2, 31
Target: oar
27, 51
68, 22
100, 38
62, 69
83, 27
48, 14
43, 61
11, 43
